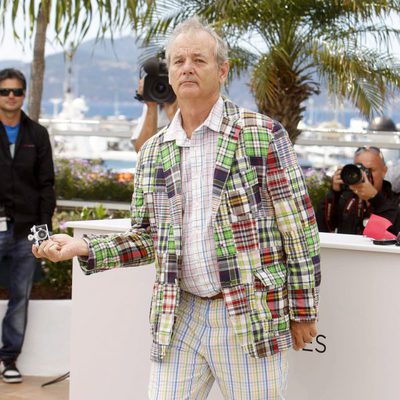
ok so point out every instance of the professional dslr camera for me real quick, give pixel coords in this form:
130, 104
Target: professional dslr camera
40, 233
156, 86
351, 174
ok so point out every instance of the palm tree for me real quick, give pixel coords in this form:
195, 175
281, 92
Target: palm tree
294, 46
71, 18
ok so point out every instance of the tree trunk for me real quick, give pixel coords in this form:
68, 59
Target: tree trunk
291, 90
38, 66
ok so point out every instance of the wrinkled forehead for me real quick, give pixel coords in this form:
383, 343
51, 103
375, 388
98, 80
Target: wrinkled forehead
369, 159
191, 43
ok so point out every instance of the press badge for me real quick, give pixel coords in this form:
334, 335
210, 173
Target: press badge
3, 219
3, 224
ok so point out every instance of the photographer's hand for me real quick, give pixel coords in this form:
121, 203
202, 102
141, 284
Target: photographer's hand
61, 247
337, 181
364, 190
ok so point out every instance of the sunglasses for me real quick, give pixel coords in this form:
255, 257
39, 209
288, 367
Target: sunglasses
372, 149
16, 92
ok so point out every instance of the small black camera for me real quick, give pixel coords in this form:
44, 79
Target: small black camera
156, 86
351, 174
39, 234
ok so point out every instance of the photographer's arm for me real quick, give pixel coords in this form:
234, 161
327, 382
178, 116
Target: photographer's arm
149, 127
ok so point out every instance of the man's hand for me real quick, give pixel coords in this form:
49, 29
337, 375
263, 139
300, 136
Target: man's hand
302, 333
61, 247
364, 190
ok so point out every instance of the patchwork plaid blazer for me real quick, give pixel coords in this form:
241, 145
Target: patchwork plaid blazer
265, 232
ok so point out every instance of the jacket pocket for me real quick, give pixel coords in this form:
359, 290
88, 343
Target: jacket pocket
271, 291
165, 299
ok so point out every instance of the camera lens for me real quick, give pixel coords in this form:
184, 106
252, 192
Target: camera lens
160, 88
351, 174
42, 234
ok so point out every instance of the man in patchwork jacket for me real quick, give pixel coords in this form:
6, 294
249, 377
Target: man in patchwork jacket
221, 207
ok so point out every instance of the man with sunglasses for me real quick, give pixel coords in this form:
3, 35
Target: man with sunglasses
26, 198
347, 208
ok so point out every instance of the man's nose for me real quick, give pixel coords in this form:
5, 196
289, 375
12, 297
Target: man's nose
188, 66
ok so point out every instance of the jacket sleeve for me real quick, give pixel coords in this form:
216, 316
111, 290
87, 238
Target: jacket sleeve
130, 249
45, 177
297, 226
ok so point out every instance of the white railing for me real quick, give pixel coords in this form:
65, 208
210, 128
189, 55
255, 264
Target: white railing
115, 128
89, 127
349, 138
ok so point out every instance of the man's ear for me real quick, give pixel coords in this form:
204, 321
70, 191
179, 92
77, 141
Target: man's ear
223, 72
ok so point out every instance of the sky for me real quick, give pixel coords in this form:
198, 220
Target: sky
10, 49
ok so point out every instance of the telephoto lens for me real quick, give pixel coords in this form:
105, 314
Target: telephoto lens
351, 174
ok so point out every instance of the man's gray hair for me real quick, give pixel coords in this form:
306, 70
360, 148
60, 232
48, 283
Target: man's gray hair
195, 24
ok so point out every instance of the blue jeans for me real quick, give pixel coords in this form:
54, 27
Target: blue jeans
17, 253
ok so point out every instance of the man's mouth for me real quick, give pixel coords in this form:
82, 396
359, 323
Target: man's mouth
186, 81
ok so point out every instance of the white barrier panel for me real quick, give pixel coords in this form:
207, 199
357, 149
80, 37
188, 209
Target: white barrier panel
354, 356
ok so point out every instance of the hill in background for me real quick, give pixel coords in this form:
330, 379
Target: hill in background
106, 73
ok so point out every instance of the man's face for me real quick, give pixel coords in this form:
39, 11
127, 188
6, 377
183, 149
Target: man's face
11, 102
193, 69
375, 164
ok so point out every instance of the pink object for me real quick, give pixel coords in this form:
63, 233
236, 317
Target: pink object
376, 228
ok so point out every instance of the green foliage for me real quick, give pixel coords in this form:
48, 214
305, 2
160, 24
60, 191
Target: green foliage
318, 183
72, 18
89, 180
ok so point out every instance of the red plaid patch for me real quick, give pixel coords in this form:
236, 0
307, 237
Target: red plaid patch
168, 305
245, 234
236, 300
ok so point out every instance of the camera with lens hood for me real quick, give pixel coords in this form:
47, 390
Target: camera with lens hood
351, 174
39, 234
156, 86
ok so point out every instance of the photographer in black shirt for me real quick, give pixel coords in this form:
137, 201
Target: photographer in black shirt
347, 208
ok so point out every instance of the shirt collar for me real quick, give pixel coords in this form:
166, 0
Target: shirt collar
213, 122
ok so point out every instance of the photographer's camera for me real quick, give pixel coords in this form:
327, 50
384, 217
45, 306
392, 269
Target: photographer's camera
351, 174
156, 86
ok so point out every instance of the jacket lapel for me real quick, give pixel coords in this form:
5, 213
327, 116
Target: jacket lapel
171, 167
227, 144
